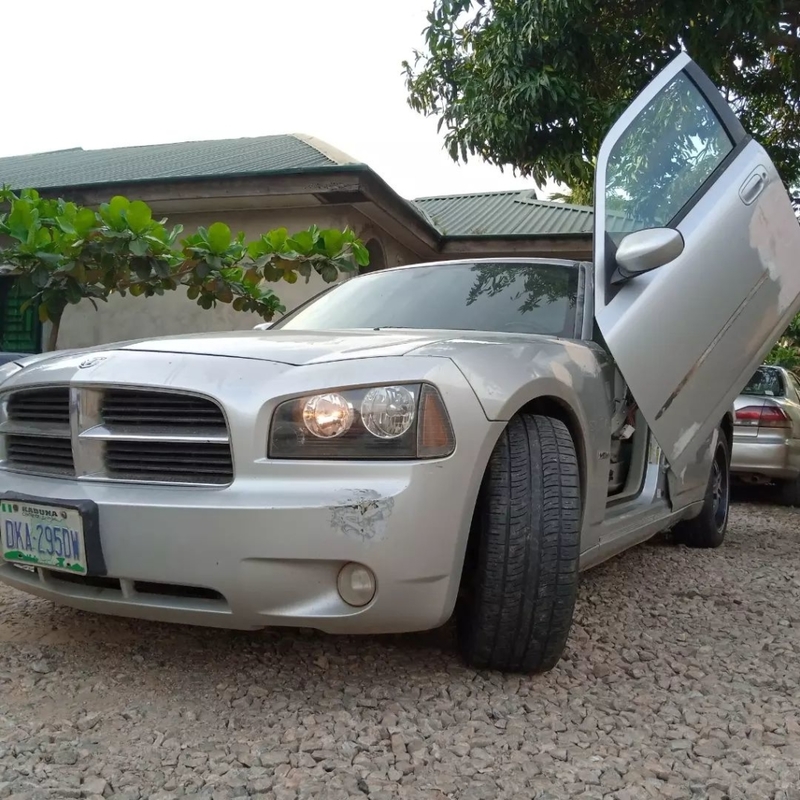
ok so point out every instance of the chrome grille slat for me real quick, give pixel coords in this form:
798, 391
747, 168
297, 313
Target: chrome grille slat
44, 455
117, 434
45, 405
134, 407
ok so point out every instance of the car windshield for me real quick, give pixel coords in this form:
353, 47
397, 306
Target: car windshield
767, 382
497, 296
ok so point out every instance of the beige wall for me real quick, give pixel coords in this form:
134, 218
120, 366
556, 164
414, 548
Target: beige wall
136, 317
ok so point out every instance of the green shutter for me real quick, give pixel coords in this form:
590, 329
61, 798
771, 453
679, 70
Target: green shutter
20, 331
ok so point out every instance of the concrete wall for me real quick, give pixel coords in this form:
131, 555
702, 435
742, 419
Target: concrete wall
125, 318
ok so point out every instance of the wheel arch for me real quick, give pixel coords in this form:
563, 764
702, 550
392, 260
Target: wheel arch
727, 429
560, 409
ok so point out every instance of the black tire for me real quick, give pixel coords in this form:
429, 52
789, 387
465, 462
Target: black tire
521, 574
789, 492
708, 528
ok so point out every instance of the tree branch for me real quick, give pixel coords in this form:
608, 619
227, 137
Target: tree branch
780, 39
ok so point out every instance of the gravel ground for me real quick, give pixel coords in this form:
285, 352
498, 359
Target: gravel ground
681, 680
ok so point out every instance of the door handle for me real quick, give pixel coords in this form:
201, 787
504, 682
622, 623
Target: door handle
753, 185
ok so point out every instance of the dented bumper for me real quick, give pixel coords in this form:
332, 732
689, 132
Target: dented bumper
268, 553
267, 549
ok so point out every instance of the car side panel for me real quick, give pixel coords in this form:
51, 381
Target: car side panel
507, 376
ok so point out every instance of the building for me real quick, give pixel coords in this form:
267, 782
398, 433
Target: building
256, 184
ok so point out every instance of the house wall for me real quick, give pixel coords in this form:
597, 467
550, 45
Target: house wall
128, 317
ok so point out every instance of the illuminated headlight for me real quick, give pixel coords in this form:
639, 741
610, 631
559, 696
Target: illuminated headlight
371, 422
8, 369
327, 416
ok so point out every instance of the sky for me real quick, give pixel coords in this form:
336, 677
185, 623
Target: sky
105, 74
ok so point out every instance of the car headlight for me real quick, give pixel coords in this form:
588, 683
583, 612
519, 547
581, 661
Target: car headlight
7, 370
370, 422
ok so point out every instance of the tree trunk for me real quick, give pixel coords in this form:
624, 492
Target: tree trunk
52, 340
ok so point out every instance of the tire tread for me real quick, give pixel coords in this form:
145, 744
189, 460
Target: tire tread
527, 567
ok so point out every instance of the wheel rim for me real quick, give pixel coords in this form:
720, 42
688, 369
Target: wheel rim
720, 489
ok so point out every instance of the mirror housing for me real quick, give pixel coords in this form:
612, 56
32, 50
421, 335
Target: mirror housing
642, 251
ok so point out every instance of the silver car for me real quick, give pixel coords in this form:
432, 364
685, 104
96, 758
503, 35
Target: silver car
766, 433
455, 437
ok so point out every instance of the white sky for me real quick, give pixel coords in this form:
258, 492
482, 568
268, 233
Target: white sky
104, 74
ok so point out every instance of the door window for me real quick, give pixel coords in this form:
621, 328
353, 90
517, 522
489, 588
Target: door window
662, 159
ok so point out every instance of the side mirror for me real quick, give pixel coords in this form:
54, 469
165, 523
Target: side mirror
644, 250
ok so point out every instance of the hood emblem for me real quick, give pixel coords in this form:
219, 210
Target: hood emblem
91, 362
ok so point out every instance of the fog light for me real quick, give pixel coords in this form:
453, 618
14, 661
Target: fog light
356, 584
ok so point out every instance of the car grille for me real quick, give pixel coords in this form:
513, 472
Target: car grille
31, 452
132, 435
134, 407
46, 406
184, 462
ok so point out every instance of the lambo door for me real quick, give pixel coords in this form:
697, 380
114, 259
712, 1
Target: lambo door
697, 256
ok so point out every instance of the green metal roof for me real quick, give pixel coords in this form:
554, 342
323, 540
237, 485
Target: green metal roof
513, 213
216, 158
510, 213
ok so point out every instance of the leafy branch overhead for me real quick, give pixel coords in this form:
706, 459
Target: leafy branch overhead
64, 253
536, 84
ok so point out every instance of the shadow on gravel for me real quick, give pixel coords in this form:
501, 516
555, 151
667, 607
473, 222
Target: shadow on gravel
742, 493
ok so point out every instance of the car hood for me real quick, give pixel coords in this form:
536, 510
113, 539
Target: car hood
291, 347
300, 348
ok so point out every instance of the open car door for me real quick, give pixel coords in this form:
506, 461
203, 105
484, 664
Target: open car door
697, 256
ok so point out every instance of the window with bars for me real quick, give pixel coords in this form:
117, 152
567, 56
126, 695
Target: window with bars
20, 331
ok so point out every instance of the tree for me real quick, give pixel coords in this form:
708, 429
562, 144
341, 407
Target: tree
536, 84
63, 253
786, 352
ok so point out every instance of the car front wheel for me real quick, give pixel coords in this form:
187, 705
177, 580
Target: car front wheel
521, 573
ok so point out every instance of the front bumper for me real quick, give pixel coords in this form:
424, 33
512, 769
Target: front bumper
267, 549
771, 456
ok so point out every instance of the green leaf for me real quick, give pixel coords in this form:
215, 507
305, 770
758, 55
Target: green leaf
290, 277
333, 241
139, 247
66, 224
23, 220
361, 254
302, 242
141, 268
202, 270
115, 211
329, 273
219, 237
139, 216
256, 249
343, 264
193, 292
277, 239
161, 268
73, 293
43, 237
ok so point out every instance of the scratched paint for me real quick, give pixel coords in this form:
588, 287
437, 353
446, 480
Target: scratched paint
363, 515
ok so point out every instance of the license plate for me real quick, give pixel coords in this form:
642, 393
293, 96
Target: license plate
42, 535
